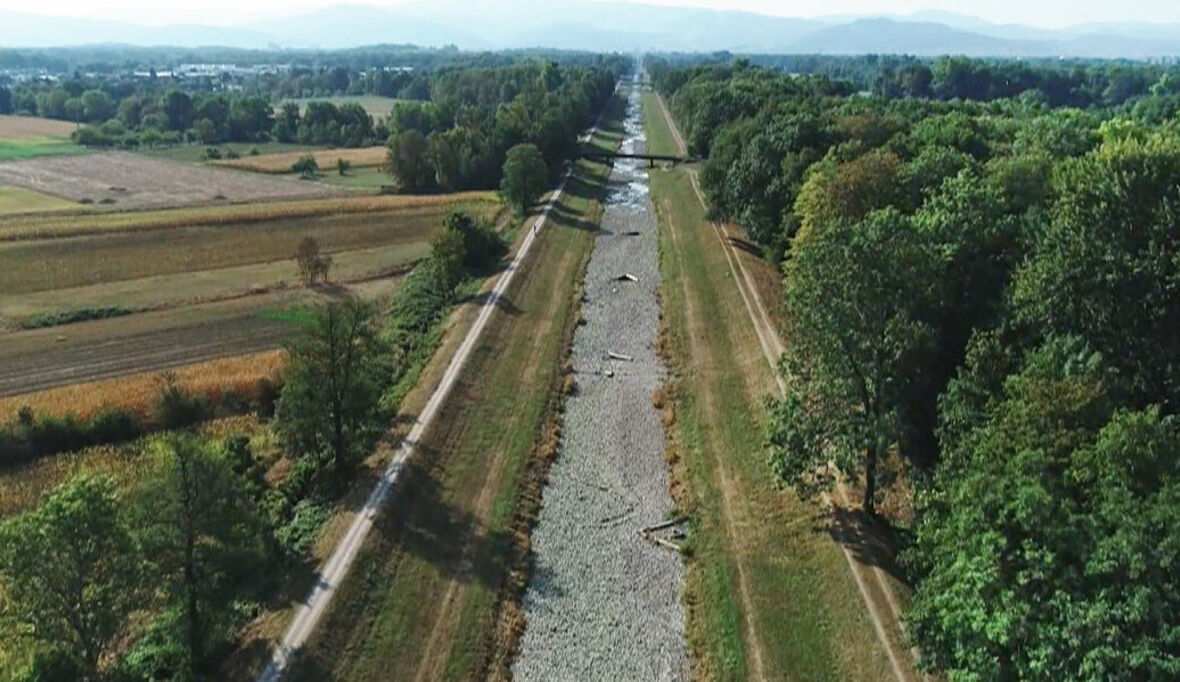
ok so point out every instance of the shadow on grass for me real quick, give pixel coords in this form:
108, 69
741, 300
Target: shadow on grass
871, 541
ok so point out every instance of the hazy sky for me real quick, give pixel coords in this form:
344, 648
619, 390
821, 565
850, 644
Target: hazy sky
1053, 13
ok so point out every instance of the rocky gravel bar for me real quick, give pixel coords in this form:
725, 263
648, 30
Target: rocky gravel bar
604, 604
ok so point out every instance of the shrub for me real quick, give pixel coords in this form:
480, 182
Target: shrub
175, 407
254, 151
298, 535
212, 153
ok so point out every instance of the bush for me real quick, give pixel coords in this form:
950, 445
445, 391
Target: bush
114, 425
254, 151
232, 154
297, 536
306, 167
175, 407
212, 153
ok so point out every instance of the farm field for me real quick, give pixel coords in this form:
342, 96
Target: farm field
23, 137
117, 256
363, 157
21, 201
450, 538
771, 594
162, 291
130, 181
99, 222
377, 107
361, 179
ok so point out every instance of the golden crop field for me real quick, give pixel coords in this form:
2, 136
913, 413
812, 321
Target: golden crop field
364, 157
95, 222
21, 201
136, 392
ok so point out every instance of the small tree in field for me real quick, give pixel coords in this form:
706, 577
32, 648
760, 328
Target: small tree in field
343, 167
525, 177
306, 167
312, 264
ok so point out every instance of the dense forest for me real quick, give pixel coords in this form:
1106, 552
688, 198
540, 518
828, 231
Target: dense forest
982, 284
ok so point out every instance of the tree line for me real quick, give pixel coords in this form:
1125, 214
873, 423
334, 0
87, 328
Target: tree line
983, 296
153, 576
459, 138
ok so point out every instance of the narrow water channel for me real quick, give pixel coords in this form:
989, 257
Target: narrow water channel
604, 604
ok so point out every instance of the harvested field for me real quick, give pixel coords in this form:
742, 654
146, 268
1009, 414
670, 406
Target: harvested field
136, 392
364, 157
41, 265
46, 227
25, 127
137, 181
271, 283
38, 359
21, 201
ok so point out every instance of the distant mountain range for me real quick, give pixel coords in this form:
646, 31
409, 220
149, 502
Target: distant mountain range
613, 26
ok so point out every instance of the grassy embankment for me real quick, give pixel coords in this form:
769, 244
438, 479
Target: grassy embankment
768, 593
430, 596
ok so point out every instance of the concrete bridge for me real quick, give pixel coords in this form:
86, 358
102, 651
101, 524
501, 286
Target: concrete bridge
652, 159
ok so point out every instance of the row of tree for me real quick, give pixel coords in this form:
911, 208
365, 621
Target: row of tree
460, 137
989, 293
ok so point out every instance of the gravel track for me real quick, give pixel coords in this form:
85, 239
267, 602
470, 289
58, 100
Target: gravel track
603, 603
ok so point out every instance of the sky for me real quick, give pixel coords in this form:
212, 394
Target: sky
1047, 13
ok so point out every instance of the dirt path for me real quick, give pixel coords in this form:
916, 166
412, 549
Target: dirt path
874, 589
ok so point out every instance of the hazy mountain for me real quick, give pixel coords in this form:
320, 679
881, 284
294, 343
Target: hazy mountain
614, 26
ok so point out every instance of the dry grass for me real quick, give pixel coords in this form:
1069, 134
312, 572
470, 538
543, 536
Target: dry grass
92, 223
365, 157
25, 127
136, 392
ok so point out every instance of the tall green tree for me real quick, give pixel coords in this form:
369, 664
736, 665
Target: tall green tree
409, 161
329, 409
199, 536
68, 575
854, 295
525, 177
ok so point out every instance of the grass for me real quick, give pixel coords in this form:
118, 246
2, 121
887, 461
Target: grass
28, 148
93, 259
369, 179
765, 579
449, 538
362, 157
377, 106
93, 223
137, 391
21, 201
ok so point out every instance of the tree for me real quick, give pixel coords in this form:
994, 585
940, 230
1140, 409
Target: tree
312, 264
854, 294
343, 167
307, 167
329, 407
525, 177
409, 161
448, 249
1047, 544
5, 101
67, 571
97, 106
178, 109
197, 528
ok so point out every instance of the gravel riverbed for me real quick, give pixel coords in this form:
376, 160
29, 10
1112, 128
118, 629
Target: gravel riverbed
604, 604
